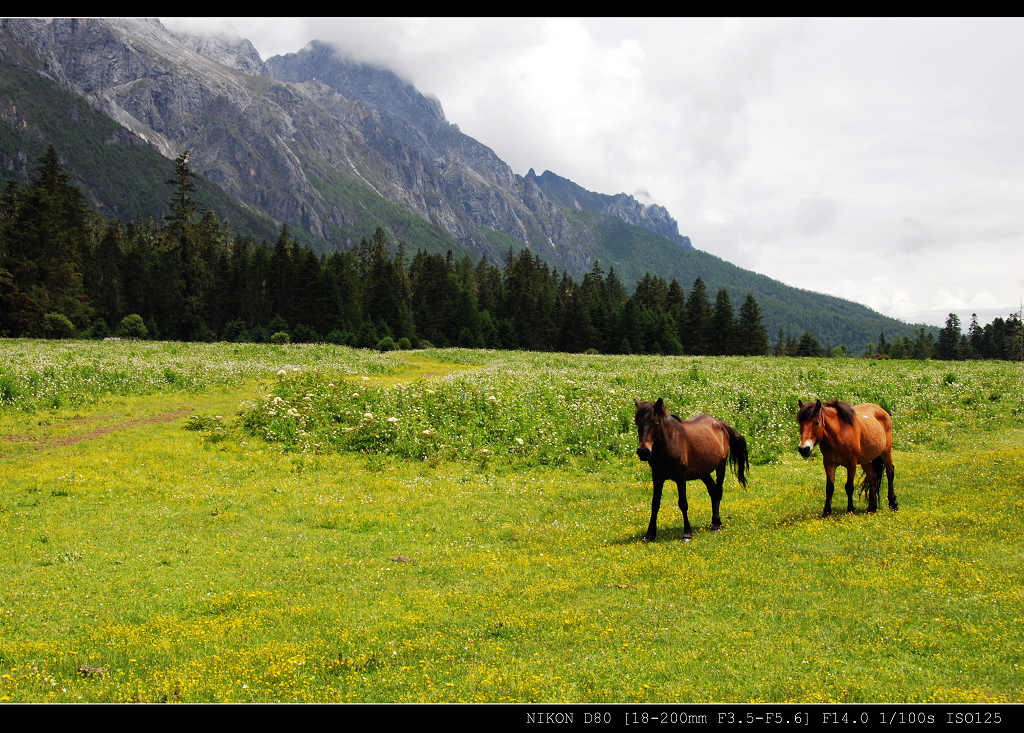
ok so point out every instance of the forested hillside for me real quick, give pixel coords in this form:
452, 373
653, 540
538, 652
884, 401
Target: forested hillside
65, 270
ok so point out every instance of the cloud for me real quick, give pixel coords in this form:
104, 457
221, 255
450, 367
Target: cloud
887, 150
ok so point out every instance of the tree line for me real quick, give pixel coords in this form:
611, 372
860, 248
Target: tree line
1000, 339
65, 271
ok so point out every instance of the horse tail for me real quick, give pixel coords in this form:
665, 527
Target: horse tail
738, 456
878, 464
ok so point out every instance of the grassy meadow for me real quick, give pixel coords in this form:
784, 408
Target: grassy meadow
256, 523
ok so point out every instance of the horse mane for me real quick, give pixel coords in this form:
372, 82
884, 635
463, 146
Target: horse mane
844, 409
808, 412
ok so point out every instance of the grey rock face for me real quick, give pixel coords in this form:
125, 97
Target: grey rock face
628, 209
276, 134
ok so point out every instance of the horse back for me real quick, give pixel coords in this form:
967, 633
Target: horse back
706, 443
875, 427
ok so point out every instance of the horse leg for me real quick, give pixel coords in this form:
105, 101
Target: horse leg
687, 531
830, 487
874, 482
851, 472
652, 528
869, 484
715, 492
890, 472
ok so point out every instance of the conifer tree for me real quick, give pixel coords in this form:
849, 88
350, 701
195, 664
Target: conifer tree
721, 332
751, 338
697, 321
780, 344
948, 346
808, 345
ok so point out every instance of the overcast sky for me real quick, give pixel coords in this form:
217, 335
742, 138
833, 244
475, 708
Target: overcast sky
880, 161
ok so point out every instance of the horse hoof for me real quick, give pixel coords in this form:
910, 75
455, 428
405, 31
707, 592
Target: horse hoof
687, 538
648, 538
894, 507
716, 527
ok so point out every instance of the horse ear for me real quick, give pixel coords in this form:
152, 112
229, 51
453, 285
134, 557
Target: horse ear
636, 404
799, 404
818, 405
660, 406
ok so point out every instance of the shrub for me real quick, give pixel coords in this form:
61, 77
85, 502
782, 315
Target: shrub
57, 326
304, 334
233, 330
9, 390
386, 344
254, 335
342, 338
98, 330
132, 327
280, 337
404, 343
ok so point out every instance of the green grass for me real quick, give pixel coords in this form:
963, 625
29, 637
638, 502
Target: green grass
210, 564
38, 375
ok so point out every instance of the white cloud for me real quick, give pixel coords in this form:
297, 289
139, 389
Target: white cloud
875, 160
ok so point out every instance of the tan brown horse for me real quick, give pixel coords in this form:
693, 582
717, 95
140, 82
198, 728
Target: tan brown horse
683, 450
848, 435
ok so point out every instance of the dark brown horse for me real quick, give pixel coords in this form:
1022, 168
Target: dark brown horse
848, 435
683, 450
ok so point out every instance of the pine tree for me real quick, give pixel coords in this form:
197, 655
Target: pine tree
46, 238
923, 345
722, 339
780, 344
751, 338
183, 204
974, 337
808, 345
697, 321
948, 346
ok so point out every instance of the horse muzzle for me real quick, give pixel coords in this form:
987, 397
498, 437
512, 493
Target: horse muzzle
643, 453
805, 450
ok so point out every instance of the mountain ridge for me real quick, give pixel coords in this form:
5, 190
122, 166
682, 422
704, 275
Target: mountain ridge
335, 148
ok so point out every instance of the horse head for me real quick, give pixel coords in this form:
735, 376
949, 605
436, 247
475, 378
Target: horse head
811, 428
648, 419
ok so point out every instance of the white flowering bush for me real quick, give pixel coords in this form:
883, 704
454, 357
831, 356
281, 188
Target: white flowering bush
553, 408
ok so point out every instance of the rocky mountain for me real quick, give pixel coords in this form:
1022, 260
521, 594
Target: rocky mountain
653, 217
306, 137
336, 148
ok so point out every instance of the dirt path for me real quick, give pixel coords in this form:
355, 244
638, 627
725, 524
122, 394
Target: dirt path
418, 368
45, 443
149, 420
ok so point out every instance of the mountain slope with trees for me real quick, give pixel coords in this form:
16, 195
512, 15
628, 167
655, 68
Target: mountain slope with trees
335, 149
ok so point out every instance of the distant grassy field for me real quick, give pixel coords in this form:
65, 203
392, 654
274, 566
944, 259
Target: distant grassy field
262, 523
